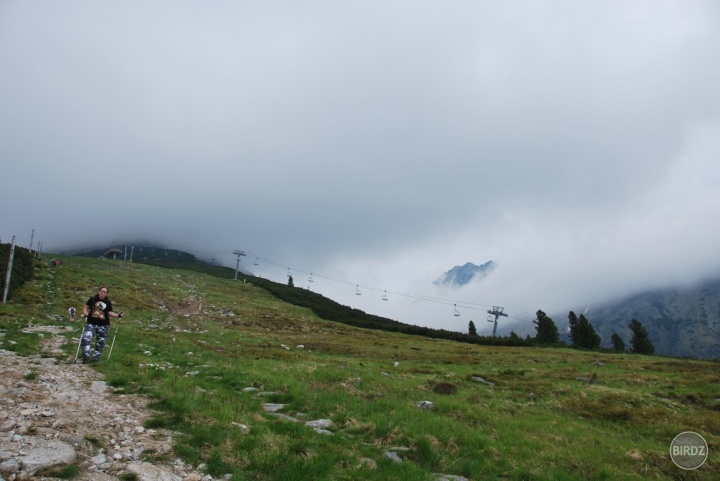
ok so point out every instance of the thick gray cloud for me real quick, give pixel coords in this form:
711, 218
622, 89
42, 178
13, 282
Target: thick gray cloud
376, 143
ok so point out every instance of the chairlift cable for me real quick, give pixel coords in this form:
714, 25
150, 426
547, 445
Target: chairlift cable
464, 304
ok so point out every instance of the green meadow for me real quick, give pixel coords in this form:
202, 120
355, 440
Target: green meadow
194, 343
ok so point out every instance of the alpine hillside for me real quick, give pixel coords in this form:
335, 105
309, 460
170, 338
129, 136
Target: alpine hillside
681, 322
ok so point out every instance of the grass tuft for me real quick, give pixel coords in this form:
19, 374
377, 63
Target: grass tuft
69, 471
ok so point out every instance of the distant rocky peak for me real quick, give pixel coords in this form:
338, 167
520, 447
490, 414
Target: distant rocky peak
462, 275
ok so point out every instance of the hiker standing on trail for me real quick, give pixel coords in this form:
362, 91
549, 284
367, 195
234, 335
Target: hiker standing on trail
71, 313
98, 310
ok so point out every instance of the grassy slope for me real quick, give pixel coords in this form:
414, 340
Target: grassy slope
536, 423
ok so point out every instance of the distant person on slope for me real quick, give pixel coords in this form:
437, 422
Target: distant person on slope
71, 313
98, 310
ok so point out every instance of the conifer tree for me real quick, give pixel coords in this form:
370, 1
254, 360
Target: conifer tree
572, 327
588, 338
290, 281
640, 339
582, 333
471, 329
547, 332
617, 342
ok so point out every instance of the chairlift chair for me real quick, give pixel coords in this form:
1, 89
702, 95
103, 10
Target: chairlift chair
256, 263
385, 297
357, 290
456, 312
490, 318
310, 279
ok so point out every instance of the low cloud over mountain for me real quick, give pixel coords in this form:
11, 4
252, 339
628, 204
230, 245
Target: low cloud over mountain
461, 275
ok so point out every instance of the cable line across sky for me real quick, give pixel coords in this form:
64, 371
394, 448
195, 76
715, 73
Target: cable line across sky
456, 307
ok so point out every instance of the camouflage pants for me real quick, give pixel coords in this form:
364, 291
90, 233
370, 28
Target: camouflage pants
101, 335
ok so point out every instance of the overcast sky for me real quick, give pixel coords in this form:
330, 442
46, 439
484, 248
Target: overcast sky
376, 144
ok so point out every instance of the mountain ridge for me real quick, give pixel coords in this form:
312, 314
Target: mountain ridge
682, 322
460, 276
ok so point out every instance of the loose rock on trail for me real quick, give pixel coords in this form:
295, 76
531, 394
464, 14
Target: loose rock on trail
54, 413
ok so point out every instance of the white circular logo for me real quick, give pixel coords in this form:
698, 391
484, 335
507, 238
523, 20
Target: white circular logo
688, 450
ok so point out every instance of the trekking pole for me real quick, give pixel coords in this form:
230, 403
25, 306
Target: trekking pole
82, 330
113, 341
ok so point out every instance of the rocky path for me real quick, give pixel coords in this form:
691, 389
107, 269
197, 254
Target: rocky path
58, 414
